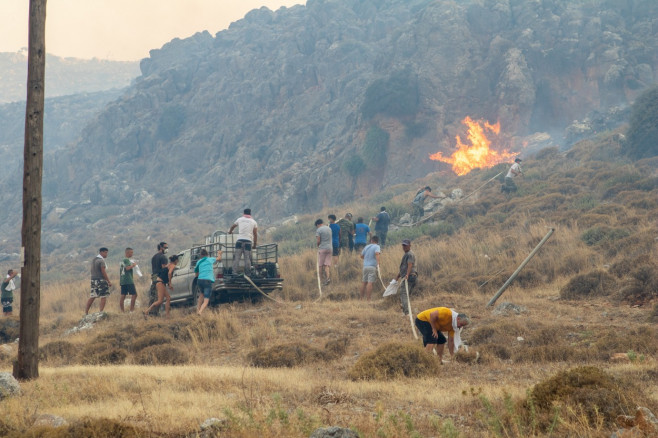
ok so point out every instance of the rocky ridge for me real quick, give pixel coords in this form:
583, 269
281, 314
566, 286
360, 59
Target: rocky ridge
268, 112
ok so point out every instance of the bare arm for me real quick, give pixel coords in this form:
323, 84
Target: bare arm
410, 266
451, 344
377, 257
230, 230
171, 273
434, 322
255, 236
318, 239
109, 283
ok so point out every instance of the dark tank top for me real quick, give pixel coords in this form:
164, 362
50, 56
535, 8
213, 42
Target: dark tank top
164, 275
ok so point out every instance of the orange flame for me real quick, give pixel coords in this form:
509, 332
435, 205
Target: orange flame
479, 153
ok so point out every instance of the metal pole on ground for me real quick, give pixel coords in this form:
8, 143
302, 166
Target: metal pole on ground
478, 189
521, 266
317, 268
379, 273
411, 318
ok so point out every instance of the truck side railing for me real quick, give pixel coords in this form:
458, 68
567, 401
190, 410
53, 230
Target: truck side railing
262, 255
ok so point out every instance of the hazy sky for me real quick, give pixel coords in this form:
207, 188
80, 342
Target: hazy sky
121, 29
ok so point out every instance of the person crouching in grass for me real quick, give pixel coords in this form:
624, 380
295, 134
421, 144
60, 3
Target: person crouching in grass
432, 322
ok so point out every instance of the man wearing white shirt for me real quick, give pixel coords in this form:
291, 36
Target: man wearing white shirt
514, 171
370, 256
247, 239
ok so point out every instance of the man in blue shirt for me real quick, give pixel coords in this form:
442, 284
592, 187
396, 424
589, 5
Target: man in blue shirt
361, 232
205, 277
335, 238
381, 224
370, 256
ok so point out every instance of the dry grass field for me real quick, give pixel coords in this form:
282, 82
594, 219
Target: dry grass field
282, 369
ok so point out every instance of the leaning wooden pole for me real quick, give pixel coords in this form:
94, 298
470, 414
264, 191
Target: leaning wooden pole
27, 363
521, 266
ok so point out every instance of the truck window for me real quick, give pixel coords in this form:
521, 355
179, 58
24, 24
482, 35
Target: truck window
183, 260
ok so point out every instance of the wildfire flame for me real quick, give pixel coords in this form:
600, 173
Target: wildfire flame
478, 154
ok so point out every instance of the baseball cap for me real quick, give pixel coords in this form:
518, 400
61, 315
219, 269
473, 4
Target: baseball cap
406, 242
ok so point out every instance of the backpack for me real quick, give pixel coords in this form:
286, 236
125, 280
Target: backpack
420, 197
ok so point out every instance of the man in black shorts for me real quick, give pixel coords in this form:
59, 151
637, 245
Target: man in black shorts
126, 281
100, 283
158, 262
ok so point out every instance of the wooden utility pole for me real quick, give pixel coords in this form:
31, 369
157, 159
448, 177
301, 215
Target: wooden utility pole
27, 364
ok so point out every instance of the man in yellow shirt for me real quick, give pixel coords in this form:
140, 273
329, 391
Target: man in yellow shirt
432, 322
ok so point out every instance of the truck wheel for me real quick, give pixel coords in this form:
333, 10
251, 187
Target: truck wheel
196, 291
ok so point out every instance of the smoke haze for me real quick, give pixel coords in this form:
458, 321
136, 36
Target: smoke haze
122, 30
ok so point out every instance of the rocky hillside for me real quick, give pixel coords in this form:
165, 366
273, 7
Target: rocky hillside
63, 120
314, 105
64, 76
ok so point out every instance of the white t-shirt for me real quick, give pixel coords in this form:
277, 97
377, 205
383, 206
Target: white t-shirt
246, 227
516, 167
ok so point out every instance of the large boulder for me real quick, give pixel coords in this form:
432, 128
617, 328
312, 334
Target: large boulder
9, 386
334, 432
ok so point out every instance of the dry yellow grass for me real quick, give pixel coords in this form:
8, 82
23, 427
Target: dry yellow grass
601, 224
217, 381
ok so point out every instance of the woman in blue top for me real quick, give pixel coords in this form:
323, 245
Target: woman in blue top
361, 232
205, 277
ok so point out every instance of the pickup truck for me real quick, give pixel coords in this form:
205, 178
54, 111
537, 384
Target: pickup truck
228, 285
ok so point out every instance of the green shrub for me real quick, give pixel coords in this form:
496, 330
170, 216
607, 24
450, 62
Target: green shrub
9, 330
596, 235
62, 351
375, 149
148, 339
585, 285
585, 202
395, 360
588, 389
288, 355
162, 355
354, 165
396, 95
643, 126
99, 353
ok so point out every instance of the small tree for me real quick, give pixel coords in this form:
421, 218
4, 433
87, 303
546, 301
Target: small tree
643, 128
354, 165
395, 96
376, 147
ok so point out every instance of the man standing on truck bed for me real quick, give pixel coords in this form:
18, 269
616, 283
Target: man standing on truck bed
247, 239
